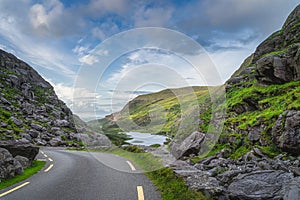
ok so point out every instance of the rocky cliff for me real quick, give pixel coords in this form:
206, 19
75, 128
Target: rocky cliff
30, 111
257, 155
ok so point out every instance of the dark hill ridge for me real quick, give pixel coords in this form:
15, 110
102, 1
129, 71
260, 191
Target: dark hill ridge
30, 111
257, 155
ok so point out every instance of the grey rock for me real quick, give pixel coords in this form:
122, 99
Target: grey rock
293, 190
27, 108
202, 181
61, 123
26, 150
286, 132
37, 127
94, 140
54, 142
33, 133
254, 134
9, 167
18, 122
55, 129
3, 125
4, 101
264, 184
23, 141
25, 162
26, 136
40, 142
190, 145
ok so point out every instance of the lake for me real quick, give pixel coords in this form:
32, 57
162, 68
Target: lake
145, 139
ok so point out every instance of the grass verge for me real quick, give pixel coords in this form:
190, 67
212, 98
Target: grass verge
28, 172
170, 186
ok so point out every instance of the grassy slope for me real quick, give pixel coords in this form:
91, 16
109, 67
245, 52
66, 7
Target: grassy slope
168, 103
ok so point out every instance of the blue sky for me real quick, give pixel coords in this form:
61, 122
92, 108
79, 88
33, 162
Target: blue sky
58, 38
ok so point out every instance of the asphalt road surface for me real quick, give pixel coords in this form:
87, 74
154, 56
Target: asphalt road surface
71, 175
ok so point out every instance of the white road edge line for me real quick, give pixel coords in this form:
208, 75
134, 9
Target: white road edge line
50, 159
14, 189
140, 193
46, 170
130, 165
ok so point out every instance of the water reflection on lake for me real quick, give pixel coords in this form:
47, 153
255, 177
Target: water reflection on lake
145, 139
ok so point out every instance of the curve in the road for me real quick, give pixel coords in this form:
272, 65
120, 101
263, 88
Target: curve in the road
72, 175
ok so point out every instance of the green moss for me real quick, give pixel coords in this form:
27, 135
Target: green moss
42, 94
4, 113
242, 150
270, 150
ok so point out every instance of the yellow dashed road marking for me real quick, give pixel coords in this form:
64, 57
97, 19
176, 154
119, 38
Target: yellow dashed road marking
140, 193
46, 170
131, 165
14, 189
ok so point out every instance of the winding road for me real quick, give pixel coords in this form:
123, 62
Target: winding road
72, 175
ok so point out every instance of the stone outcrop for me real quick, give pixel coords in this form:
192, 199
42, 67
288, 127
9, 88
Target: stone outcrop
278, 57
25, 150
9, 166
253, 176
286, 132
190, 145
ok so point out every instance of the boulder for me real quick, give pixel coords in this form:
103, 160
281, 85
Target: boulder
262, 184
37, 127
293, 190
286, 132
54, 142
275, 69
61, 123
94, 140
190, 145
23, 161
26, 150
254, 134
33, 133
18, 122
9, 167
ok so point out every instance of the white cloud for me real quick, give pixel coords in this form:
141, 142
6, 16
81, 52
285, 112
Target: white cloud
89, 59
44, 16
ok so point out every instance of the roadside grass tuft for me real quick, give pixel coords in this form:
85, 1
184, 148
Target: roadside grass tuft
170, 186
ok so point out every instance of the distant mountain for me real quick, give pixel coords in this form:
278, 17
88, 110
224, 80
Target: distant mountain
30, 111
144, 109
